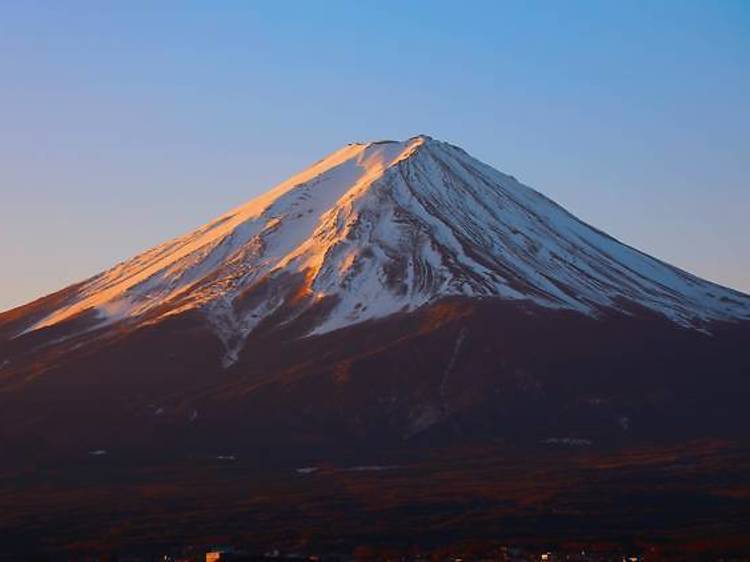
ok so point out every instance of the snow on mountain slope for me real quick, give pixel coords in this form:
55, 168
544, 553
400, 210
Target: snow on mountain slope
382, 227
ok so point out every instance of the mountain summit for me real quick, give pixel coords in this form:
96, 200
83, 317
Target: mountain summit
378, 228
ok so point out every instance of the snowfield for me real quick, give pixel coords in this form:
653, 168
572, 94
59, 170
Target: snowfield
382, 227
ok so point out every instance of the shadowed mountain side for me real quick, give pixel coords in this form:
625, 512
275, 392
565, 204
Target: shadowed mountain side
457, 370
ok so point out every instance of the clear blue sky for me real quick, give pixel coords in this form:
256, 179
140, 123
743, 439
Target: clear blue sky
123, 124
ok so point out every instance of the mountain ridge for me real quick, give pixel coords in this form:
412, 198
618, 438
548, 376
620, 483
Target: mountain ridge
381, 227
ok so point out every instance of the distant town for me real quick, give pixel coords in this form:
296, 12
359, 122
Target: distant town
467, 553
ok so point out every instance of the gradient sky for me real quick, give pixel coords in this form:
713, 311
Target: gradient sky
124, 124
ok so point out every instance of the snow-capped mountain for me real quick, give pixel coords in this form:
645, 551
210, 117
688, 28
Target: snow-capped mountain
381, 227
397, 305
393, 293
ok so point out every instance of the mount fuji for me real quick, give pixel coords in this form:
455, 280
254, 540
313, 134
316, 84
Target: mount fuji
398, 307
379, 228
372, 231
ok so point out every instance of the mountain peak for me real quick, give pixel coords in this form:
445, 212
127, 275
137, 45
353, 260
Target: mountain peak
422, 138
383, 227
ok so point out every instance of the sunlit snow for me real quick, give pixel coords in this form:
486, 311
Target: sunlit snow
383, 227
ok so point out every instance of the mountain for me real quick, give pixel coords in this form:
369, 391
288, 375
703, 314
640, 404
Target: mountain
393, 302
383, 227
